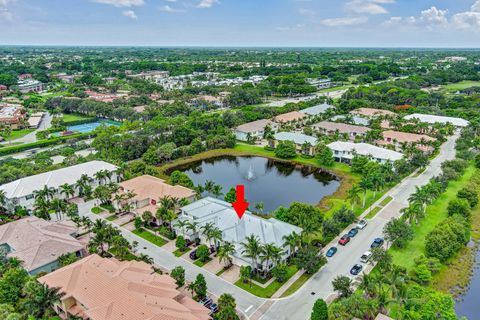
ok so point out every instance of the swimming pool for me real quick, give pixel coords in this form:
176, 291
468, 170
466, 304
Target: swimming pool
88, 127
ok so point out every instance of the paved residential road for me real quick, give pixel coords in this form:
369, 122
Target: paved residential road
299, 305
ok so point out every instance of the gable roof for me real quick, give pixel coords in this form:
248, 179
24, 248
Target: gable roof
253, 126
234, 229
39, 242
341, 127
149, 187
129, 290
428, 118
297, 138
365, 149
290, 116
318, 109
406, 136
371, 112
53, 179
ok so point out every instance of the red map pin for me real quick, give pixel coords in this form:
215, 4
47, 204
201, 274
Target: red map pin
240, 205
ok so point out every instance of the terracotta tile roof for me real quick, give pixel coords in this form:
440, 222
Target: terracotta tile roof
341, 127
401, 137
38, 242
253, 126
108, 289
149, 187
370, 112
290, 116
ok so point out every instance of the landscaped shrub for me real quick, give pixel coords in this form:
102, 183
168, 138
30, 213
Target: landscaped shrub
286, 150
447, 238
460, 207
470, 195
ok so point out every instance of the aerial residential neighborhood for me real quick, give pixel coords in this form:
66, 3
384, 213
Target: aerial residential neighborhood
239, 160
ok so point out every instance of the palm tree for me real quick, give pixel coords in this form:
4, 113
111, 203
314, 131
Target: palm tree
225, 253
40, 304
216, 235
419, 196
259, 206
100, 176
252, 249
353, 195
217, 191
209, 184
292, 241
364, 185
167, 202
207, 230
270, 253
67, 190
199, 190
181, 224
60, 207
193, 227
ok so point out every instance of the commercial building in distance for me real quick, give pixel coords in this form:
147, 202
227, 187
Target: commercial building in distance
12, 115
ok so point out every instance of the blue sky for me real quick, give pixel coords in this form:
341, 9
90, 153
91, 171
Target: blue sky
313, 23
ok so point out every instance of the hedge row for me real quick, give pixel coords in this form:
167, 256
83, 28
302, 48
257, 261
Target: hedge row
42, 143
81, 121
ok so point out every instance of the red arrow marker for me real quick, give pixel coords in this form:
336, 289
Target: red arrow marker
240, 205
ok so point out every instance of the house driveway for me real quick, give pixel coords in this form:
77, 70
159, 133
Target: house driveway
232, 274
214, 266
124, 219
170, 246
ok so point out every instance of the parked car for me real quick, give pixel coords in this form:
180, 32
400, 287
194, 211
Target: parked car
344, 239
366, 257
331, 252
214, 308
377, 242
356, 269
206, 301
361, 224
353, 232
193, 255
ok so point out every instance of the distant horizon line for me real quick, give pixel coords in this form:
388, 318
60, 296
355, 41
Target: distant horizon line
234, 47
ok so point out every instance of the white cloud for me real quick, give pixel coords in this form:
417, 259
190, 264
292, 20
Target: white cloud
397, 21
468, 19
207, 3
434, 16
368, 6
122, 3
131, 14
306, 12
347, 21
167, 8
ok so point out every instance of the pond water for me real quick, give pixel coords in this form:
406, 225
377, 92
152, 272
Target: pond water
272, 182
467, 304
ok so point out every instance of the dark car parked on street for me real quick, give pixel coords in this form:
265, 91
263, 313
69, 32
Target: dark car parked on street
331, 252
356, 269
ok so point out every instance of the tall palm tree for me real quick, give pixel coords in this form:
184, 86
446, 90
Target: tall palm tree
193, 227
216, 235
364, 185
292, 241
100, 176
252, 249
270, 253
225, 253
60, 207
217, 191
259, 206
353, 195
167, 202
207, 230
199, 190
181, 224
209, 184
3, 201
67, 190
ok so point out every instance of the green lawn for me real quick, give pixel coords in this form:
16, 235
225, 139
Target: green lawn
97, 210
373, 213
112, 217
17, 134
150, 237
297, 284
200, 263
179, 253
386, 201
268, 291
436, 213
72, 117
461, 85
108, 207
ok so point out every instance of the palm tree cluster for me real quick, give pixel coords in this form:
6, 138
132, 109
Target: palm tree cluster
420, 199
3, 202
46, 202
264, 257
210, 187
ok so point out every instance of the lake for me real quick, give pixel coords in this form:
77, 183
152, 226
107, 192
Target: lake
275, 183
468, 306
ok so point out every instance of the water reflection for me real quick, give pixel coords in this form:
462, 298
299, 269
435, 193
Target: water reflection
275, 183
